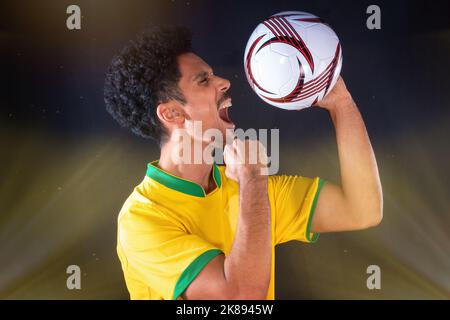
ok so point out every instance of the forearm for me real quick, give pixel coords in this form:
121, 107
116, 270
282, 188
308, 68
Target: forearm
360, 180
248, 265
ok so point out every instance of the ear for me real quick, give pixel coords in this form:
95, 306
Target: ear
170, 113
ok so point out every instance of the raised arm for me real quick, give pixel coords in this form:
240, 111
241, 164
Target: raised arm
245, 272
358, 202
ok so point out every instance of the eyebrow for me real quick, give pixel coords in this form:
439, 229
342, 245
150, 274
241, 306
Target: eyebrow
200, 75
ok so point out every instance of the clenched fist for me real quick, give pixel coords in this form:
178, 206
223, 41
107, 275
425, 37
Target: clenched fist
245, 159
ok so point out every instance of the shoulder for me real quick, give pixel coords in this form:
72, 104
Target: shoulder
142, 225
140, 210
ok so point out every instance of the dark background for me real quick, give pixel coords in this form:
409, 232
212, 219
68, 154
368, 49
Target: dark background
67, 167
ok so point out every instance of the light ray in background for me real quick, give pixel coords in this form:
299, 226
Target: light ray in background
58, 212
412, 245
59, 198
60, 203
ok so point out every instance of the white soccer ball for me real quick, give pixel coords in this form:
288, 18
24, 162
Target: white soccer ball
292, 60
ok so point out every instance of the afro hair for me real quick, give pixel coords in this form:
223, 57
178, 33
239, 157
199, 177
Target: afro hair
144, 74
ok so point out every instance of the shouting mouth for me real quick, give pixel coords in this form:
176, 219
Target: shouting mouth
223, 111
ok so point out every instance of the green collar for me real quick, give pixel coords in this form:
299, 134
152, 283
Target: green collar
179, 184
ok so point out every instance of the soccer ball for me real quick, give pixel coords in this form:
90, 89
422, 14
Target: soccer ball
292, 60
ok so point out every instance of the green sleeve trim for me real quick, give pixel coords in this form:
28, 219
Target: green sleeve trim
191, 272
311, 214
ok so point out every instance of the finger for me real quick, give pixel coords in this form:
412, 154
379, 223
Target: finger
317, 104
229, 154
226, 152
341, 82
229, 174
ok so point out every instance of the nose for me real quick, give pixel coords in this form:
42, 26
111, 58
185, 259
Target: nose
223, 84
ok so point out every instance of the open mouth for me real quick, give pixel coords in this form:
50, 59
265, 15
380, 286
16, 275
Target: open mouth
223, 111
223, 114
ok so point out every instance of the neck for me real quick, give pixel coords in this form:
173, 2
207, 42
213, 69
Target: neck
195, 171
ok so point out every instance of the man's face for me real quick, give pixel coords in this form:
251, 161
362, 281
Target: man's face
206, 95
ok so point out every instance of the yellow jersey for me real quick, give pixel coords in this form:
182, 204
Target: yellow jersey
169, 228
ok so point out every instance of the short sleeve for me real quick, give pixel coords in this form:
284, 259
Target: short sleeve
294, 201
162, 255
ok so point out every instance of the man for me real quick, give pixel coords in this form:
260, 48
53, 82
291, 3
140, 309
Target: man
202, 231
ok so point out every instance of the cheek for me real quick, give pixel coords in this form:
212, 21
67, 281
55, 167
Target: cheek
203, 112
202, 107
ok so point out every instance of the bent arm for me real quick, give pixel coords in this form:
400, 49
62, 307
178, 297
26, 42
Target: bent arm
245, 272
358, 202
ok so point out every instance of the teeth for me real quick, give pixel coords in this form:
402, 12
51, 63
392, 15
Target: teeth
226, 105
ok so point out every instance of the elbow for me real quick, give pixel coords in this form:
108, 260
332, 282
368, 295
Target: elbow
377, 211
374, 214
374, 220
254, 295
237, 293
368, 214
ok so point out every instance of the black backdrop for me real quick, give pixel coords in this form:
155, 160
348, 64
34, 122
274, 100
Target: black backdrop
67, 167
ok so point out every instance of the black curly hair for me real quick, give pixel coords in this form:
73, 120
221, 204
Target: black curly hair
144, 74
